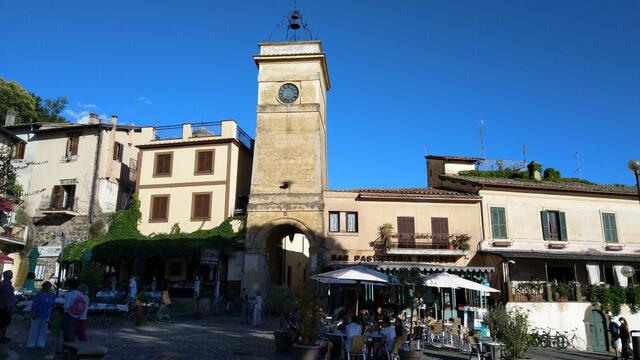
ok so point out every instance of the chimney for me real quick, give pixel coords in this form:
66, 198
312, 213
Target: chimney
114, 120
94, 119
10, 119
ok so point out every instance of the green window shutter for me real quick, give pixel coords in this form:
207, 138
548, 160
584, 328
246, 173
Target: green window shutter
498, 223
610, 230
544, 217
563, 227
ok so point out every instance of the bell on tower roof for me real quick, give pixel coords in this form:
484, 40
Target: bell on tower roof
296, 28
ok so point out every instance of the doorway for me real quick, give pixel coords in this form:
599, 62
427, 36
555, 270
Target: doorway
597, 331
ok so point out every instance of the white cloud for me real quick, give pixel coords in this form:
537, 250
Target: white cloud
145, 100
82, 117
87, 106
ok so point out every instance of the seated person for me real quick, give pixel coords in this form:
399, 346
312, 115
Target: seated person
353, 328
389, 332
293, 320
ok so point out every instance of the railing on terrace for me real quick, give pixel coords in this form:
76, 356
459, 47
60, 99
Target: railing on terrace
206, 129
244, 138
541, 291
56, 204
492, 165
424, 241
167, 132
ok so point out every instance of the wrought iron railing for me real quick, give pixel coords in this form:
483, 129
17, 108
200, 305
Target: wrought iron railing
167, 132
14, 232
206, 129
244, 138
424, 241
542, 291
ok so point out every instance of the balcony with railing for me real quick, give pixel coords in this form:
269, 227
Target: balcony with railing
424, 244
66, 205
206, 130
543, 291
13, 234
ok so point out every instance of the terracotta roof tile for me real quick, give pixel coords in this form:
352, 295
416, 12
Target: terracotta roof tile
546, 185
412, 192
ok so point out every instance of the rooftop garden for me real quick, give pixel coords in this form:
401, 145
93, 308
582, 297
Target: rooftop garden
533, 173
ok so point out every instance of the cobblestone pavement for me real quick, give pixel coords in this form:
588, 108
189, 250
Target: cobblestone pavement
215, 338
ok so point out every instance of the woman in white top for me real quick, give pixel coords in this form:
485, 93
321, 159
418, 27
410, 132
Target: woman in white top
257, 310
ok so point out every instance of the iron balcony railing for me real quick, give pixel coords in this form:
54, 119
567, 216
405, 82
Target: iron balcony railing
542, 291
424, 241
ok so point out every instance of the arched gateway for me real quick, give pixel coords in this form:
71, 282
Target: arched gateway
289, 173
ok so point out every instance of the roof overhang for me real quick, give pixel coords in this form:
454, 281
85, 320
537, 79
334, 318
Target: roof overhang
562, 255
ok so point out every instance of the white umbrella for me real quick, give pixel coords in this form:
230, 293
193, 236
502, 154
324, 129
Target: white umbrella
357, 274
446, 280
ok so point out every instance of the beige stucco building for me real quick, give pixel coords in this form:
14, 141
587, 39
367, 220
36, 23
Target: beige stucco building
197, 176
72, 175
540, 234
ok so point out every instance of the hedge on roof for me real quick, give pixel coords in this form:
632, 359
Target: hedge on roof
123, 240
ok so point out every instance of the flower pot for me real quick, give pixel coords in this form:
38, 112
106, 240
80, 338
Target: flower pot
410, 354
305, 352
283, 340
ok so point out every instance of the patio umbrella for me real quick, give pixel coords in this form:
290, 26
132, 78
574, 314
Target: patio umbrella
357, 274
446, 280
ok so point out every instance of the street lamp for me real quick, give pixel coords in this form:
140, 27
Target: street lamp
634, 165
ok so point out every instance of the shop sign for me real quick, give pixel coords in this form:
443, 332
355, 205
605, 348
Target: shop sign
209, 256
388, 258
49, 251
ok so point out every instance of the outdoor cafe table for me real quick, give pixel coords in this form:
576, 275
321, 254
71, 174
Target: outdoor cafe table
338, 339
492, 344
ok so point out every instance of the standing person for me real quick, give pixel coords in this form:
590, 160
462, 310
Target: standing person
133, 290
41, 309
163, 312
616, 343
54, 281
625, 338
257, 310
7, 302
56, 329
244, 298
81, 325
74, 307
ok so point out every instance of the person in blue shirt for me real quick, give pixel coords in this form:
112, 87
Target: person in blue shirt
41, 309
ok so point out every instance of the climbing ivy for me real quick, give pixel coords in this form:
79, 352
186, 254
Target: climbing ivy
125, 241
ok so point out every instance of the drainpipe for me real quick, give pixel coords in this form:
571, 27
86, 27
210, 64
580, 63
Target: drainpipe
96, 166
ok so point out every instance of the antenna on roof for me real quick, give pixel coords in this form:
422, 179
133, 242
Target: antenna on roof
577, 170
482, 127
525, 149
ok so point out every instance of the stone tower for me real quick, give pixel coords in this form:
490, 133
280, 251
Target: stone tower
290, 157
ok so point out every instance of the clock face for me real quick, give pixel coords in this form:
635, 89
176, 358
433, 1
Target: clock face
288, 93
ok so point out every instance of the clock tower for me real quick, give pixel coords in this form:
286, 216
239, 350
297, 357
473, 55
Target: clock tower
290, 157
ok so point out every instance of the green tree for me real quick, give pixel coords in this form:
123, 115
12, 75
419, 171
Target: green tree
8, 184
29, 107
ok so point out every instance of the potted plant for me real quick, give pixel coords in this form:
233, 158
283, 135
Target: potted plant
385, 231
281, 301
309, 313
141, 300
462, 243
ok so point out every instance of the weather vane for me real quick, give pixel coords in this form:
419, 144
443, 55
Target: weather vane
296, 28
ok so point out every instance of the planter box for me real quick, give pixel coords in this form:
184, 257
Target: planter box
283, 340
305, 352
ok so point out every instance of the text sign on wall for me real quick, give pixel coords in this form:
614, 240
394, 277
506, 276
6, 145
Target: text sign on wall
209, 256
49, 251
388, 258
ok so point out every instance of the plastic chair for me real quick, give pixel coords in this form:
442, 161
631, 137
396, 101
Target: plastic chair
437, 335
358, 348
476, 348
393, 354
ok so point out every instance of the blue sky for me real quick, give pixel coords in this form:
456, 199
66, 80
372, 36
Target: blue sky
560, 76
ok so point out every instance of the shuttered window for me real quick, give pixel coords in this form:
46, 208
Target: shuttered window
610, 230
159, 208
18, 150
204, 161
57, 197
163, 164
554, 225
72, 145
352, 222
201, 206
440, 230
406, 231
117, 151
498, 223
334, 221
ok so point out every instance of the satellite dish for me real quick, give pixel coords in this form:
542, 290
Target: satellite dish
627, 271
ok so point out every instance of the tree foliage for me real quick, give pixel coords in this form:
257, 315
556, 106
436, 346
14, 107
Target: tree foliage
9, 186
511, 327
28, 106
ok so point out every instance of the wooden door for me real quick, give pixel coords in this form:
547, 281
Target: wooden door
597, 332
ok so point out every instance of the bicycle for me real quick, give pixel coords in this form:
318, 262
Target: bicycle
570, 340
